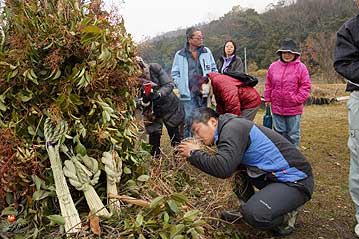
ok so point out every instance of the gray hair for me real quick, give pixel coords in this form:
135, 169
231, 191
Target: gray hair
144, 67
190, 31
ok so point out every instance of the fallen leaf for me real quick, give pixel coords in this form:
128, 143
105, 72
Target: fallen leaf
95, 224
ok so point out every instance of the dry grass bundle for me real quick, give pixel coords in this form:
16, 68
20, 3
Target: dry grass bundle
172, 173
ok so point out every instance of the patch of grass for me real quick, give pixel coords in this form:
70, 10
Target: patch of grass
317, 90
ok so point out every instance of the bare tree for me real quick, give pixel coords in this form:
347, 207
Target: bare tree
318, 54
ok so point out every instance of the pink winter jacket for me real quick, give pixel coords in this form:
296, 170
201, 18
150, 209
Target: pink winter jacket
287, 87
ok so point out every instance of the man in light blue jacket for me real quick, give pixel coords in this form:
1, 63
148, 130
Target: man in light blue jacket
190, 64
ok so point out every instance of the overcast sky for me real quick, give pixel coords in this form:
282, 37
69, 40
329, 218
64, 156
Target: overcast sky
148, 18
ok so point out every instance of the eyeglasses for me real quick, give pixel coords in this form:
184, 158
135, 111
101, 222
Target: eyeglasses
198, 38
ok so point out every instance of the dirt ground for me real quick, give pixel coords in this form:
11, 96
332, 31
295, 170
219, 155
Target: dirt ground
330, 213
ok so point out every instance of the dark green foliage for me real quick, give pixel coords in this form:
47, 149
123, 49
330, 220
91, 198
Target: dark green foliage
67, 60
63, 60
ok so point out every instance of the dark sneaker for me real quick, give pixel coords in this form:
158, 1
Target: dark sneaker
243, 188
232, 216
289, 224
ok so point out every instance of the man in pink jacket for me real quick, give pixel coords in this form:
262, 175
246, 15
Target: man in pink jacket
287, 87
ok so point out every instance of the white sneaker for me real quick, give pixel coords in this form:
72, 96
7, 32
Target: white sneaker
288, 225
356, 230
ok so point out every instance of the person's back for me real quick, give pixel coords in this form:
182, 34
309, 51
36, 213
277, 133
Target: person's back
250, 97
232, 96
160, 105
168, 106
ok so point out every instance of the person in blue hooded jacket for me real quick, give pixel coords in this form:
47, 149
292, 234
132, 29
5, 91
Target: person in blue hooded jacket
261, 158
190, 65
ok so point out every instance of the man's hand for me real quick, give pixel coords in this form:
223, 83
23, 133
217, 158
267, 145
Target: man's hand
144, 102
185, 148
152, 96
267, 103
146, 98
155, 95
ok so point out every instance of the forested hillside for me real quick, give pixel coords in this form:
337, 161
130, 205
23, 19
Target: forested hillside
312, 23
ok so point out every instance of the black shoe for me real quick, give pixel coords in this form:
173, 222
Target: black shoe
154, 139
288, 225
232, 216
243, 188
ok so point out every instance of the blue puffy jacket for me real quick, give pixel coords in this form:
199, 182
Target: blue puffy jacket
260, 150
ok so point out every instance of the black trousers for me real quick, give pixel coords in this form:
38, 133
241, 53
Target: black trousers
155, 138
265, 209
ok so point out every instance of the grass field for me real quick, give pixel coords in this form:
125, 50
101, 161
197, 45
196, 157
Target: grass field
318, 89
330, 213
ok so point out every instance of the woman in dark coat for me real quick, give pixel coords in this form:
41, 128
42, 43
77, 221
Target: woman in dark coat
229, 61
161, 106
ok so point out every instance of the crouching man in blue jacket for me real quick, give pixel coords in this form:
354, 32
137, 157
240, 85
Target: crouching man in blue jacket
263, 159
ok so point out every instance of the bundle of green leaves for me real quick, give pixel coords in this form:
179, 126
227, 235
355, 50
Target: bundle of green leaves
66, 60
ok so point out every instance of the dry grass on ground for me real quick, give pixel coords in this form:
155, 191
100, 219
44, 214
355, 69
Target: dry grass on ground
318, 90
330, 214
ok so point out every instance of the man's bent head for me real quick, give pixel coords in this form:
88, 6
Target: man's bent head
204, 125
